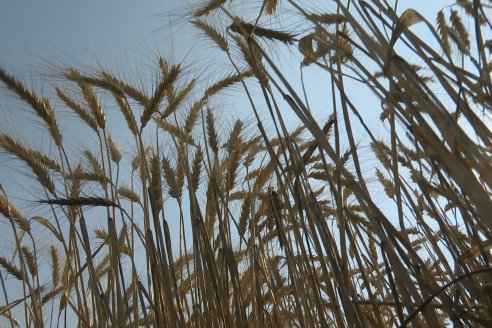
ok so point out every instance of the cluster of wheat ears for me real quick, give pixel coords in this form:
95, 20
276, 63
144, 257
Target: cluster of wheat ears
278, 227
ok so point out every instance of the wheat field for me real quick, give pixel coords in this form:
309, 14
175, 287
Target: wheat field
341, 221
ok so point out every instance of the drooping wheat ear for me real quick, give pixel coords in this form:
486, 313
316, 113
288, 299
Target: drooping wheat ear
170, 176
209, 7
196, 170
212, 134
72, 104
129, 194
159, 93
114, 151
127, 113
34, 160
55, 265
80, 201
12, 269
212, 33
27, 155
8, 210
41, 106
30, 260
242, 27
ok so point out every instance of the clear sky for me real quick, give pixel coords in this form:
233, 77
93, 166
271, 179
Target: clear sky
61, 29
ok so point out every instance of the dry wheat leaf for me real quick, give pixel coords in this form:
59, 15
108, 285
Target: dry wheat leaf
48, 225
408, 18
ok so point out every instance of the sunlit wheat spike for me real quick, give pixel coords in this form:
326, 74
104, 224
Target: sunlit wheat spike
102, 234
103, 267
42, 106
196, 170
193, 115
91, 99
212, 134
460, 29
81, 112
8, 210
245, 215
170, 176
12, 269
114, 151
129, 194
119, 88
159, 94
253, 59
30, 260
212, 33
469, 8
271, 6
55, 265
94, 163
388, 185
242, 27
178, 100
226, 82
127, 113
178, 132
327, 18
29, 156
209, 7
34, 160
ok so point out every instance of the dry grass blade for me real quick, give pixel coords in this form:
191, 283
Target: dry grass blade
44, 222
